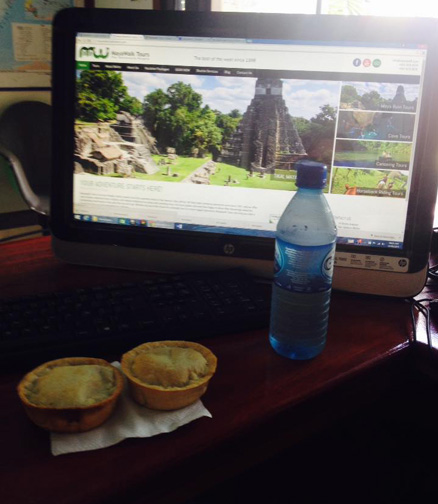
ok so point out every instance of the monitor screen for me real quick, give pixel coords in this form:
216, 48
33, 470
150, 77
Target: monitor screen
184, 139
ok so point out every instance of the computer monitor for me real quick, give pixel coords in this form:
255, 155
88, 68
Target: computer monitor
176, 135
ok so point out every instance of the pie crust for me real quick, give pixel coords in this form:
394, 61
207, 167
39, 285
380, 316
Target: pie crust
168, 375
74, 394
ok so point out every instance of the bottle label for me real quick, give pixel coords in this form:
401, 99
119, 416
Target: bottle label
303, 269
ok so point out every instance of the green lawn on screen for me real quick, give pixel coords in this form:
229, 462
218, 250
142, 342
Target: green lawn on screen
182, 167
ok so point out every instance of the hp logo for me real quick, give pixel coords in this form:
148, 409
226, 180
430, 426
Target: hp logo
229, 249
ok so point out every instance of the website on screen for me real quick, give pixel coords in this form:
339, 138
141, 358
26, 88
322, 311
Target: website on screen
203, 134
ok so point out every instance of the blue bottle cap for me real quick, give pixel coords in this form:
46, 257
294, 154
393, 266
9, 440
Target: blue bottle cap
311, 174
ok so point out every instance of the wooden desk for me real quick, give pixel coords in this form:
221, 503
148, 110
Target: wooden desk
260, 402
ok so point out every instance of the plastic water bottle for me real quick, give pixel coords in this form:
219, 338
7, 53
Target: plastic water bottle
303, 268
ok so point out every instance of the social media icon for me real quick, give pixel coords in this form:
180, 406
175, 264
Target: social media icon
357, 62
366, 62
377, 63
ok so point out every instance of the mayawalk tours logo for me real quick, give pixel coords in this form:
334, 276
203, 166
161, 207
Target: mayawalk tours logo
93, 52
127, 54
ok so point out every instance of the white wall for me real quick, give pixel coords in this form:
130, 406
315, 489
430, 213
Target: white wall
9, 97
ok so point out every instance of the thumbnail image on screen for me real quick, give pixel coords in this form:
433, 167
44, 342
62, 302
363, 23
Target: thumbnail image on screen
373, 154
389, 97
357, 182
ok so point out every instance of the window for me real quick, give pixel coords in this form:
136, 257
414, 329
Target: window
282, 6
420, 8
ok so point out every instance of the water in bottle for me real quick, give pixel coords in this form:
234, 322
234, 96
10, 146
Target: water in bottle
303, 270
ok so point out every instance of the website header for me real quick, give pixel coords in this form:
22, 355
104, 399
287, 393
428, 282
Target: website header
281, 57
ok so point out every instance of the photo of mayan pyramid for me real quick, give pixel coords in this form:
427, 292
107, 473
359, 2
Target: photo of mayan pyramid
267, 138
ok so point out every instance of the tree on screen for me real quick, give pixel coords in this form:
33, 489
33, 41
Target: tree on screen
176, 118
102, 94
318, 133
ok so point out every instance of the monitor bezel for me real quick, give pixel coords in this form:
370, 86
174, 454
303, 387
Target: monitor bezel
69, 22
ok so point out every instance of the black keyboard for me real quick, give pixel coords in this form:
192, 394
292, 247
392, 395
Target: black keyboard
107, 320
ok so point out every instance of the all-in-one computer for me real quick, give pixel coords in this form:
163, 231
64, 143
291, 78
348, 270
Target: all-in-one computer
176, 136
